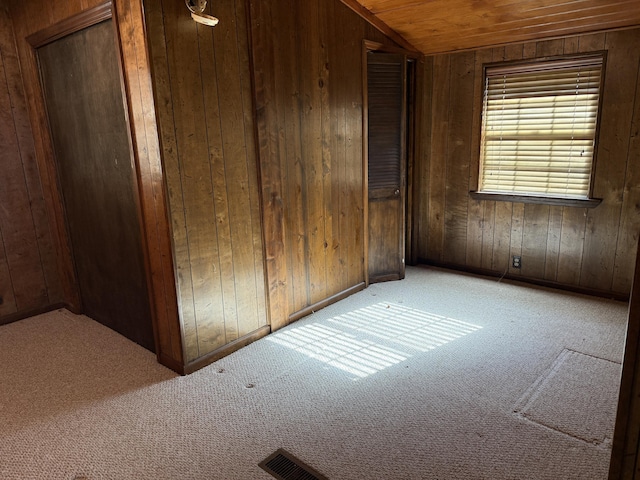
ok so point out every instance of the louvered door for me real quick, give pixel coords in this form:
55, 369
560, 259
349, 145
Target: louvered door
386, 131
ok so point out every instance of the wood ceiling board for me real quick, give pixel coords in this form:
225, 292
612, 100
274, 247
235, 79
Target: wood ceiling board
551, 26
488, 39
432, 27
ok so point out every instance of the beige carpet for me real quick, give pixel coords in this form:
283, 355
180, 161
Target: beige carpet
439, 376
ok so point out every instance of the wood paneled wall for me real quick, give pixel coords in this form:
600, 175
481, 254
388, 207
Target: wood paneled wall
141, 116
203, 94
309, 95
29, 278
577, 247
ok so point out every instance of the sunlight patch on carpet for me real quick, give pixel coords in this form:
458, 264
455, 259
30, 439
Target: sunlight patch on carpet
406, 326
352, 341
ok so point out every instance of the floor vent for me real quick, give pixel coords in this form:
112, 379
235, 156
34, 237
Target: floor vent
284, 466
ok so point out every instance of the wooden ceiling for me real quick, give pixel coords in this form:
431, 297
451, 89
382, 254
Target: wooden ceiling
435, 26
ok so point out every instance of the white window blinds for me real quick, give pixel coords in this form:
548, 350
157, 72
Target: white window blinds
539, 126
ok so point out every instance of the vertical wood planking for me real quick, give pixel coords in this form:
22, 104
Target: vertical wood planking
337, 126
234, 123
517, 231
251, 158
195, 180
270, 155
438, 156
355, 32
488, 233
28, 270
627, 243
500, 260
26, 147
328, 181
461, 95
308, 72
311, 131
227, 160
534, 240
218, 319
6, 287
423, 199
554, 230
8, 156
603, 222
16, 220
289, 97
203, 89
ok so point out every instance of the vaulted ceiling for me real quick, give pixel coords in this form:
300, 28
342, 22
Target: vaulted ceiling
435, 26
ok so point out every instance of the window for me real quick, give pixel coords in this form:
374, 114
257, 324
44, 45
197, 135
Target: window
539, 128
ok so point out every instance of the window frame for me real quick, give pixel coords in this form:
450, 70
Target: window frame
521, 66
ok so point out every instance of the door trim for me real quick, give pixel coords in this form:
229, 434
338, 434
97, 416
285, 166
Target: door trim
412, 146
71, 25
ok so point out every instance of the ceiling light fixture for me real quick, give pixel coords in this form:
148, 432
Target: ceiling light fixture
197, 12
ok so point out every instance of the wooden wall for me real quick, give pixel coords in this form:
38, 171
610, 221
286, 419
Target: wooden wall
578, 247
202, 85
309, 97
141, 116
29, 278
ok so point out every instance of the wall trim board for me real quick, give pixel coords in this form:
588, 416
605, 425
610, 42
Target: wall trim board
423, 262
14, 317
171, 364
71, 25
225, 350
326, 302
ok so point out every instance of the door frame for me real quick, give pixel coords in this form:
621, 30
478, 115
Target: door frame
68, 26
413, 87
135, 66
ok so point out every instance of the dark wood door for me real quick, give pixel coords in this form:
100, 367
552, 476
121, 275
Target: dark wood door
82, 86
386, 131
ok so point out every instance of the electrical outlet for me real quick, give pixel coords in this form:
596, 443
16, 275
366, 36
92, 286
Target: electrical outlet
516, 261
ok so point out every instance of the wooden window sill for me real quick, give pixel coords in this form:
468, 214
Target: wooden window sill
564, 202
